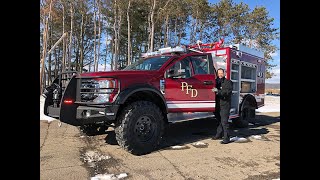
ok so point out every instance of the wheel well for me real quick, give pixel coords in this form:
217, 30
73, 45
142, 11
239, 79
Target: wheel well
250, 100
146, 96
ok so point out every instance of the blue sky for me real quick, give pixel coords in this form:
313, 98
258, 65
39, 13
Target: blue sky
273, 6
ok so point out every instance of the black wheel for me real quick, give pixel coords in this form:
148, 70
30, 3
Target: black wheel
247, 115
140, 127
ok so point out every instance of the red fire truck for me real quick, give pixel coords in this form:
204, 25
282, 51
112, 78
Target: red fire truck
166, 86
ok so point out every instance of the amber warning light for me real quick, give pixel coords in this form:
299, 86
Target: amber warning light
68, 101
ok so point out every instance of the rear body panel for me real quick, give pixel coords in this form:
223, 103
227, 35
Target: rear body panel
259, 90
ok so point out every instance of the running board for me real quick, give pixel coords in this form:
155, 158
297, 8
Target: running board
181, 117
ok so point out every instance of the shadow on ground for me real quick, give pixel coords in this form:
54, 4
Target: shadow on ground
200, 129
197, 130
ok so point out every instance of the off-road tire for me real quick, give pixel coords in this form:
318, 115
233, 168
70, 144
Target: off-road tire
247, 115
126, 127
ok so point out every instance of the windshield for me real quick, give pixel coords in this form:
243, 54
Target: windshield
153, 63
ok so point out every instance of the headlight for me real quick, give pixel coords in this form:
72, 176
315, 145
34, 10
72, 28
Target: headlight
106, 83
103, 94
99, 90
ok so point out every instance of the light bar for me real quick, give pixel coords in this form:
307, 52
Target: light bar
164, 50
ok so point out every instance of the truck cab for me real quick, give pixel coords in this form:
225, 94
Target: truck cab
166, 86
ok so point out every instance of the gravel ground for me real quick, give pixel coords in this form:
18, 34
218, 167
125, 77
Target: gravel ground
187, 152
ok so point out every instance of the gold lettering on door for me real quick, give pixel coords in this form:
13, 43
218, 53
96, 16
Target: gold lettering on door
194, 92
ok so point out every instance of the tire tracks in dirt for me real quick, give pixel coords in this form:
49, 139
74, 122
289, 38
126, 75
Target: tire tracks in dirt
100, 167
174, 166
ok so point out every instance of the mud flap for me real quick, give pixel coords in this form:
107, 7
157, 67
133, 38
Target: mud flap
68, 112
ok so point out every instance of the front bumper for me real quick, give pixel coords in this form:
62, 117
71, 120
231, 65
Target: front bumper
78, 113
86, 114
97, 114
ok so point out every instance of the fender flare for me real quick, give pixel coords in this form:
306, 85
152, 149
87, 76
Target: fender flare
126, 93
249, 98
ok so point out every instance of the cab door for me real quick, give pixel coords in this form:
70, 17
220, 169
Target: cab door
188, 84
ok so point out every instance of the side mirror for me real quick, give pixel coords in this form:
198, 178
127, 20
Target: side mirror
171, 72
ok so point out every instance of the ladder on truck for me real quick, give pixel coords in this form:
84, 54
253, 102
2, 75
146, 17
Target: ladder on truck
199, 47
203, 47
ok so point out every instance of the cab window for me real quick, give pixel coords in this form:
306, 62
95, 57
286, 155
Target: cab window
180, 69
200, 64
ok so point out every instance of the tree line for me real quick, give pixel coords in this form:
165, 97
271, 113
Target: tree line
83, 35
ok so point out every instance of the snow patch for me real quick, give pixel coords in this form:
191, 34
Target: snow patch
259, 137
109, 176
179, 147
200, 144
272, 104
43, 117
91, 157
122, 175
269, 109
256, 137
239, 139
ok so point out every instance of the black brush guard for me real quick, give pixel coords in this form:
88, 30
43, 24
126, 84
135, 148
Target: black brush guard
75, 113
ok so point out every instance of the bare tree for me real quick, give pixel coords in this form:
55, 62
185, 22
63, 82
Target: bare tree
107, 40
115, 56
56, 61
164, 12
193, 29
117, 30
71, 31
129, 38
64, 49
45, 34
118, 36
112, 52
81, 42
95, 36
43, 54
166, 37
99, 36
175, 32
152, 24
50, 54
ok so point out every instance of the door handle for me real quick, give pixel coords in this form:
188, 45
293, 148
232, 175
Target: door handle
207, 82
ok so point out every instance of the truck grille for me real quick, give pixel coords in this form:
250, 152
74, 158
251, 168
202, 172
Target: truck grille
97, 91
88, 90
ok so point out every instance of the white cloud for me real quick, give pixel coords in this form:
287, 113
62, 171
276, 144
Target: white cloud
276, 77
274, 54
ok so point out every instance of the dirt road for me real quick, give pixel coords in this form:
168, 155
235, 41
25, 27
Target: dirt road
65, 153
